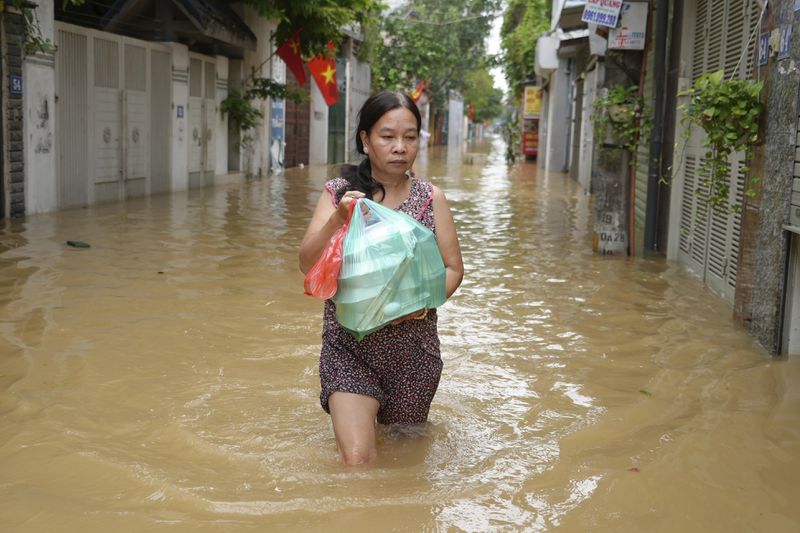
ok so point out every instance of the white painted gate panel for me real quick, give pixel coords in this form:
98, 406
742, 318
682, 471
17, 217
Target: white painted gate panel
115, 110
135, 121
136, 135
708, 240
160, 120
107, 124
195, 122
72, 112
209, 120
195, 116
202, 120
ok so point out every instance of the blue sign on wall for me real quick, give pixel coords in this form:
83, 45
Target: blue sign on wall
179, 111
15, 84
277, 123
763, 49
786, 41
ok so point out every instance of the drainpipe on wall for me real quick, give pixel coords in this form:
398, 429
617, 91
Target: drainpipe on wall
657, 134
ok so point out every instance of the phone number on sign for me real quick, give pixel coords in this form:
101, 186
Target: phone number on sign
606, 19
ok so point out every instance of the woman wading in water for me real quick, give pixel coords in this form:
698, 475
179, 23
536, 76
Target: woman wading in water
392, 374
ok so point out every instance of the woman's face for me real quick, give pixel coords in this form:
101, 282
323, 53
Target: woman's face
392, 143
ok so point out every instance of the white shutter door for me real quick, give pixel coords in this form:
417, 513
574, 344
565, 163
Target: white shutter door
136, 120
195, 116
693, 230
107, 120
709, 241
160, 120
72, 115
209, 122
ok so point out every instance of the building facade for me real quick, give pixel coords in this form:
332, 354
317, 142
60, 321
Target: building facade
127, 102
747, 254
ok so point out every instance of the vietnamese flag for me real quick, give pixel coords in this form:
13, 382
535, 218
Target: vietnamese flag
323, 70
290, 53
416, 93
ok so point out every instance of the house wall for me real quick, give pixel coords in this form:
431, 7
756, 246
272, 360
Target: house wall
41, 192
221, 128
13, 178
558, 120
358, 90
455, 121
297, 125
255, 156
764, 301
318, 127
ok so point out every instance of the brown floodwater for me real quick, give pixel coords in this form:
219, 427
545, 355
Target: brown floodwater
165, 379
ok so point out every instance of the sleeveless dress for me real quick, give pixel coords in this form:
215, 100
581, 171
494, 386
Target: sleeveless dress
398, 365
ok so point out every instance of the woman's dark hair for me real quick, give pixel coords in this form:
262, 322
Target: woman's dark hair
360, 176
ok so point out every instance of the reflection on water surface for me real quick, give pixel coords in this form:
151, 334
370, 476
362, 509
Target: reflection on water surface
166, 378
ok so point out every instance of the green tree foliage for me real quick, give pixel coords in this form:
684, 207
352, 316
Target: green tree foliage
432, 40
481, 93
524, 21
321, 20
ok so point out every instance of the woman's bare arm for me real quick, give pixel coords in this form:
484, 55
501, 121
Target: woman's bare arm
447, 239
326, 220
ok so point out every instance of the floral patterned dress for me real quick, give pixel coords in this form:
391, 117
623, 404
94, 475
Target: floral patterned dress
398, 365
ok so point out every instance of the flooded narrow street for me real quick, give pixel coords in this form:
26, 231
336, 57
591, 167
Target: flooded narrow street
165, 379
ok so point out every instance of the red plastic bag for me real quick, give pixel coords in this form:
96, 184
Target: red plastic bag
321, 281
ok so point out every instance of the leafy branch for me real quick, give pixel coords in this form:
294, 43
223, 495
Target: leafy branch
33, 40
241, 109
728, 111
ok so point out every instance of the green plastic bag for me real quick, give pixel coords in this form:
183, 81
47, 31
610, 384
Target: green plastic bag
391, 267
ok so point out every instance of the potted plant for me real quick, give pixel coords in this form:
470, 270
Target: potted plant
620, 118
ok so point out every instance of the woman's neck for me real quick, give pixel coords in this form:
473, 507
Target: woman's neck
395, 190
392, 184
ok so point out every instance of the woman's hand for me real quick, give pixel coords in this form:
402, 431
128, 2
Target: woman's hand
326, 220
344, 204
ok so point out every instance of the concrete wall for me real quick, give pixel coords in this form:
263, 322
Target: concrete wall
41, 192
610, 173
455, 121
318, 127
256, 154
359, 80
13, 136
760, 287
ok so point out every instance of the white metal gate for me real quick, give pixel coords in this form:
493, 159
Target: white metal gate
202, 112
708, 240
105, 88
160, 121
72, 104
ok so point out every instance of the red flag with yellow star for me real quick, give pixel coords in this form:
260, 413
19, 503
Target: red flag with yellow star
417, 92
290, 53
323, 70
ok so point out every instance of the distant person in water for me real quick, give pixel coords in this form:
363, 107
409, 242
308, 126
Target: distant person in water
391, 376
